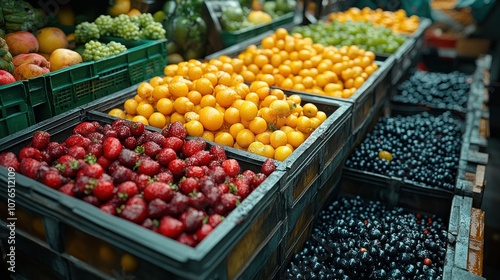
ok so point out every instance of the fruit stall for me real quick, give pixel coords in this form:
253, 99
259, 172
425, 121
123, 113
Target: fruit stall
190, 139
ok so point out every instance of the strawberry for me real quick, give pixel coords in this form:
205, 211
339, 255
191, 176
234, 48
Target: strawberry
171, 227
242, 187
165, 177
259, 178
218, 153
165, 156
187, 239
56, 150
137, 128
195, 171
104, 162
111, 132
92, 199
121, 174
77, 140
215, 219
104, 189
192, 219
30, 152
229, 201
174, 143
213, 164
223, 188
111, 148
85, 128
127, 189
92, 170
40, 140
77, 151
108, 208
95, 149
201, 158
142, 180
123, 132
218, 174
268, 167
119, 123
231, 167
51, 178
197, 200
130, 143
67, 188
203, 231
177, 167
128, 158
150, 148
67, 165
29, 166
46, 156
148, 166
157, 208
95, 137
156, 137
177, 204
159, 190
175, 129
150, 224
9, 159
192, 146
135, 210
188, 185
82, 184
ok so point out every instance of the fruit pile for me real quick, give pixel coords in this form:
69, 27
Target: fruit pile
398, 21
448, 91
422, 148
293, 62
365, 35
357, 239
176, 186
215, 103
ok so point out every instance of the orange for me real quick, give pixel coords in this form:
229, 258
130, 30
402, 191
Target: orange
155, 81
257, 148
119, 113
224, 78
144, 90
130, 106
159, 92
264, 137
267, 101
295, 138
211, 118
282, 152
224, 138
279, 108
232, 115
235, 128
208, 135
310, 110
119, 7
226, 97
176, 117
204, 86
257, 125
208, 100
183, 105
165, 106
145, 109
244, 138
194, 96
170, 70
278, 138
194, 128
194, 73
248, 110
141, 119
304, 125
157, 120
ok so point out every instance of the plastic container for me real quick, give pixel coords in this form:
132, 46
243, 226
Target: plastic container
15, 112
84, 237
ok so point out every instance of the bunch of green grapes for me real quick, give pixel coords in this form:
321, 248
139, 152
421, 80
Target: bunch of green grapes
86, 31
105, 25
154, 31
143, 20
95, 50
125, 28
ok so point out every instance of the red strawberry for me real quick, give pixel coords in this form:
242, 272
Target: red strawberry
177, 129
104, 189
92, 199
148, 166
150, 224
187, 239
215, 219
195, 171
229, 201
29, 166
268, 167
104, 162
177, 204
165, 177
155, 137
170, 227
95, 149
108, 208
137, 128
30, 152
127, 189
231, 167
128, 158
84, 128
197, 200
142, 180
135, 210
259, 178
177, 167
9, 159
95, 137
111, 148
192, 146
158, 190
203, 231
56, 150
192, 219
242, 187
77, 151
165, 156
121, 174
67, 165
188, 185
77, 140
223, 187
174, 143
201, 158
157, 208
67, 188
92, 170
123, 132
82, 184
249, 176
219, 174
130, 143
214, 163
119, 123
46, 157
51, 178
150, 148
218, 153
111, 132
40, 140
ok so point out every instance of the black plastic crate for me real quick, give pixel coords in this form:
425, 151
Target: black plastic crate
243, 240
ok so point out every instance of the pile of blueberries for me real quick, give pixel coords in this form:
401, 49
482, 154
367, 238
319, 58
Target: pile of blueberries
425, 149
448, 91
364, 239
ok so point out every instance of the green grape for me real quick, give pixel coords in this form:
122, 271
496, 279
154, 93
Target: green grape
154, 31
125, 28
143, 20
95, 50
86, 31
105, 24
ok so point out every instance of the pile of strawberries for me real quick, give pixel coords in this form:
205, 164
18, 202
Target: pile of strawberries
173, 185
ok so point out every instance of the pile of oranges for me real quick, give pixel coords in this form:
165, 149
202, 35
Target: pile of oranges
292, 62
398, 21
213, 101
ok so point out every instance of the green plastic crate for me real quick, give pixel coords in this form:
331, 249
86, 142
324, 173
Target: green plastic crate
15, 113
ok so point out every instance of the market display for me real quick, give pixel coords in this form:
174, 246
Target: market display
421, 148
365, 239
